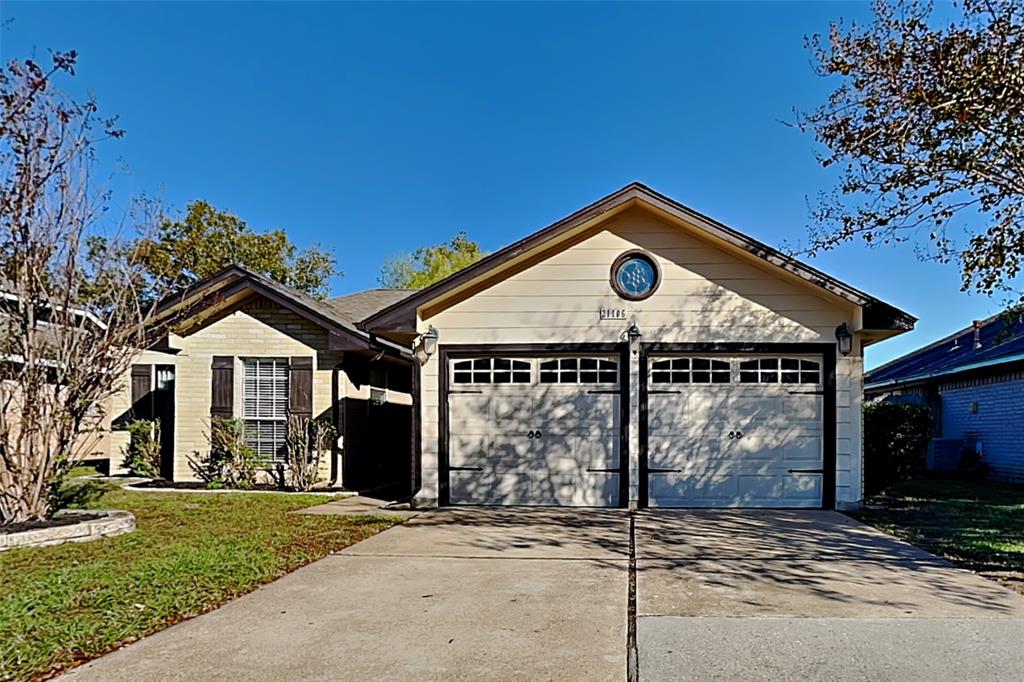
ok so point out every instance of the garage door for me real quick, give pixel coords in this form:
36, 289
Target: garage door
740, 431
534, 431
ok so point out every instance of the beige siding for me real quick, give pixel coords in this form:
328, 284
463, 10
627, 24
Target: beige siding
707, 294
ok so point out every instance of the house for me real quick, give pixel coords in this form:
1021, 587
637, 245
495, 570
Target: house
638, 353
973, 381
634, 353
250, 348
52, 326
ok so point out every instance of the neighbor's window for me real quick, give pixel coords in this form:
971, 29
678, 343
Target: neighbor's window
265, 405
780, 371
690, 371
491, 371
579, 371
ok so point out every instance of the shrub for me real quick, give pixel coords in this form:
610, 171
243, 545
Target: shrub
143, 456
896, 437
229, 462
308, 440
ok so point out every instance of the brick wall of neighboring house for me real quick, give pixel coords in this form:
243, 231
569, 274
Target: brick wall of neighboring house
994, 413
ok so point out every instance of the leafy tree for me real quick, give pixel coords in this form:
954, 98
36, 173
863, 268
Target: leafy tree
206, 240
428, 264
927, 128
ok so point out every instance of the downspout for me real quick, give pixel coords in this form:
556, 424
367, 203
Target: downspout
338, 417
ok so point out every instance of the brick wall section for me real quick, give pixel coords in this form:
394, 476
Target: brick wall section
260, 328
998, 422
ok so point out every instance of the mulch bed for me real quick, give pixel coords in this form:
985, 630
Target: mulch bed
199, 485
47, 523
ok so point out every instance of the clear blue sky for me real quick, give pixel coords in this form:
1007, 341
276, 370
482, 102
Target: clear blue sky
373, 129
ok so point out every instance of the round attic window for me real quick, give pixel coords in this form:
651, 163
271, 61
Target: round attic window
635, 275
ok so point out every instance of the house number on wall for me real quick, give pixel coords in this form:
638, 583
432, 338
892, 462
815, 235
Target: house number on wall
613, 313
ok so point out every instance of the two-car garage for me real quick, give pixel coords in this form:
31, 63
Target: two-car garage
637, 353
714, 429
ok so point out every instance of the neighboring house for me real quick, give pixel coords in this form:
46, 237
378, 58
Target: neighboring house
973, 381
93, 443
638, 353
249, 348
635, 353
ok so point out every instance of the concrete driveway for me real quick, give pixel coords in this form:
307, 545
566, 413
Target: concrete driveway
459, 594
769, 595
546, 594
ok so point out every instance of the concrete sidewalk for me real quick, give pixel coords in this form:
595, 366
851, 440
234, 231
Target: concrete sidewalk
469, 594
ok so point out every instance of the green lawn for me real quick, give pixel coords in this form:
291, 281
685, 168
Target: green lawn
189, 554
976, 524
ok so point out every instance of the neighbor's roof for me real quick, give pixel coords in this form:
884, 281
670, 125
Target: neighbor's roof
1001, 340
401, 315
360, 305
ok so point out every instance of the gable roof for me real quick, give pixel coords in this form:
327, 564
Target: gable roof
235, 280
400, 316
360, 305
1000, 340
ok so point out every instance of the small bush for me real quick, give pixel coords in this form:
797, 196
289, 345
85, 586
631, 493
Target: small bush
308, 441
143, 456
229, 462
896, 437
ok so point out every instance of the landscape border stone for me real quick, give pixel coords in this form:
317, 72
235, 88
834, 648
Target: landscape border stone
111, 523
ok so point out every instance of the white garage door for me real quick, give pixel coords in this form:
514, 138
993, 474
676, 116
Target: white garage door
735, 431
534, 431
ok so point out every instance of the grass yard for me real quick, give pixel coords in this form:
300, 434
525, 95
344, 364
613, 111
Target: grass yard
978, 525
190, 553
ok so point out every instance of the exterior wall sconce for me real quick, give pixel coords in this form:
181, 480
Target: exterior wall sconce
633, 333
845, 339
427, 345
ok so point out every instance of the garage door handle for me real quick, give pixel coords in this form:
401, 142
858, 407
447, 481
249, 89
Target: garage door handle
464, 392
465, 468
806, 471
806, 392
664, 471
604, 471
611, 391
661, 392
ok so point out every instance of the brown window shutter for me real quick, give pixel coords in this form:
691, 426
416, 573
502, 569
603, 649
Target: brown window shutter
222, 399
141, 391
300, 386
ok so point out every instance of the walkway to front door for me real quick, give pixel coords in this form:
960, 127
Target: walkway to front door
587, 594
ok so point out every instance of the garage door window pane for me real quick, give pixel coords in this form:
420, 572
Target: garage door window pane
491, 371
578, 371
691, 370
765, 371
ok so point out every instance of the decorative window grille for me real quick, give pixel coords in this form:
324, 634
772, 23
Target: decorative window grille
691, 371
492, 371
579, 371
265, 406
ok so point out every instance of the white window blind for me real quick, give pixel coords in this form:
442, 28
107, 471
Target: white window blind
265, 405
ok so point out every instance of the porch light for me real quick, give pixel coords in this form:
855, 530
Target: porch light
845, 339
427, 345
633, 333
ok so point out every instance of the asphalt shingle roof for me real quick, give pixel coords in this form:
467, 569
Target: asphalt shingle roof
1001, 338
358, 306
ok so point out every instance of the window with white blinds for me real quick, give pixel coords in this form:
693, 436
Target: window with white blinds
265, 405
